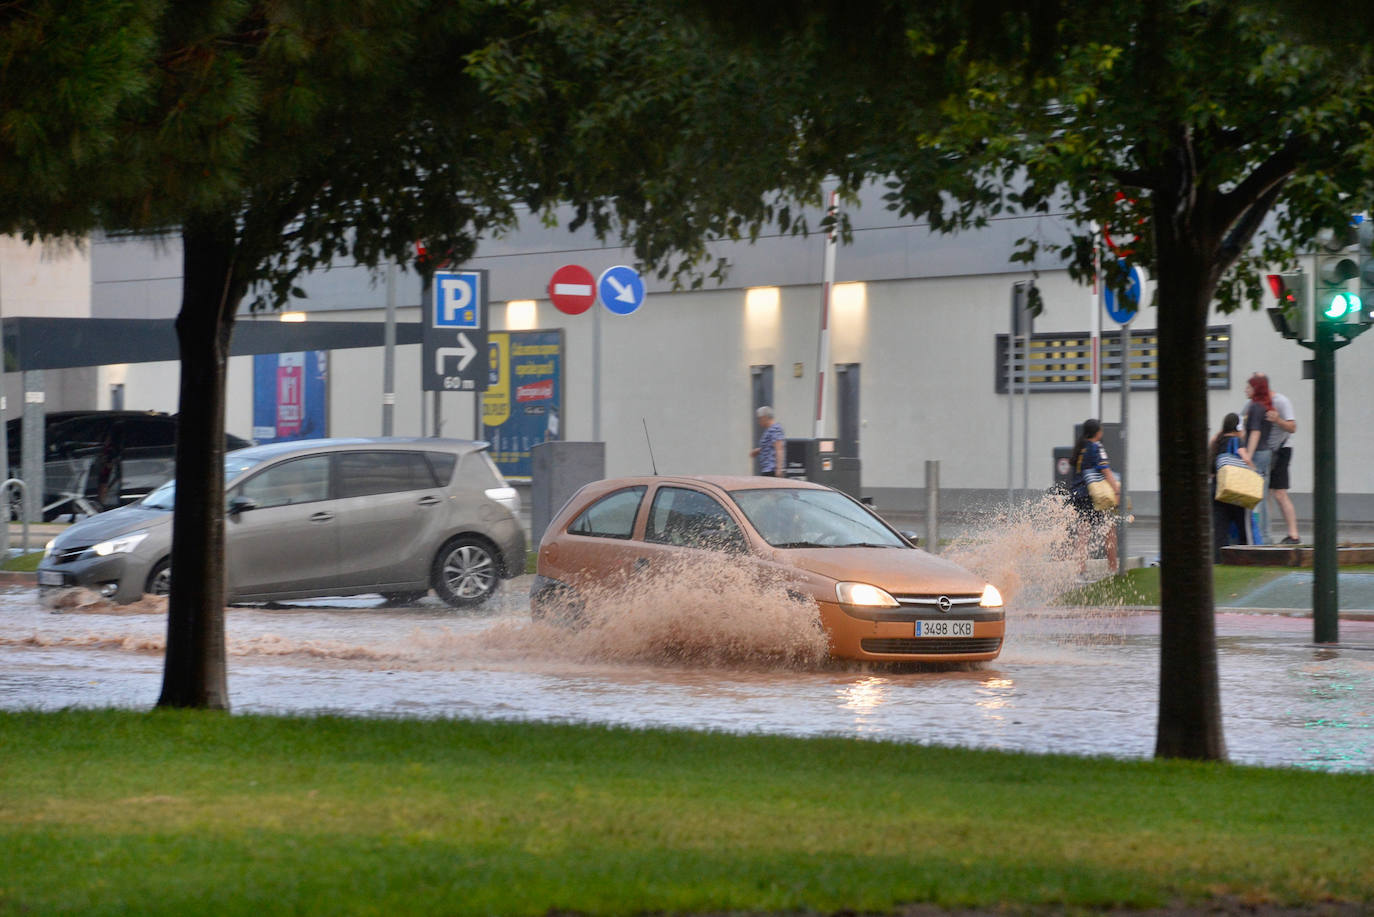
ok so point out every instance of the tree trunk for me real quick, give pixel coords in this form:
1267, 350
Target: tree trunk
1189, 689
194, 671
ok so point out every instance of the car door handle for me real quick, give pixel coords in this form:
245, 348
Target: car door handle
429, 501
641, 563
321, 517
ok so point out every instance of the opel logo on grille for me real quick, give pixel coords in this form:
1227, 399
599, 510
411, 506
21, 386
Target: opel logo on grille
944, 603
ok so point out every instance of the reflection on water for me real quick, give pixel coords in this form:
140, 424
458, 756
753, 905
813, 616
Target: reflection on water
1076, 681
863, 698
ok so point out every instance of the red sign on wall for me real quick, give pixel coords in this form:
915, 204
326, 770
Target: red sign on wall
572, 289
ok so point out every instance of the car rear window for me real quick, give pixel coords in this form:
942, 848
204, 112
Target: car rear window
613, 516
443, 464
381, 472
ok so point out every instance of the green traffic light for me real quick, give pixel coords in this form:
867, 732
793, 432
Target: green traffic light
1342, 304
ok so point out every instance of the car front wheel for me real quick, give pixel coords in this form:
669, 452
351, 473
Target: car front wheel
466, 572
160, 579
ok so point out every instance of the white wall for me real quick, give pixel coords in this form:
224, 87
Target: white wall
924, 339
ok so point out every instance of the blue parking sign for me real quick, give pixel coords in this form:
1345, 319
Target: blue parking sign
457, 300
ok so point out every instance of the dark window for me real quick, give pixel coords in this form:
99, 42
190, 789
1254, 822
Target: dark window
692, 519
301, 480
613, 516
443, 464
363, 473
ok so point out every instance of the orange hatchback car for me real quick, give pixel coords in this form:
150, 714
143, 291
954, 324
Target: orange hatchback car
880, 598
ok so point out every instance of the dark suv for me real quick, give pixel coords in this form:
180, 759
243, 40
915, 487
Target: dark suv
131, 452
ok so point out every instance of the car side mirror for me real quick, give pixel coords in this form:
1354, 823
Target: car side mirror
911, 537
241, 504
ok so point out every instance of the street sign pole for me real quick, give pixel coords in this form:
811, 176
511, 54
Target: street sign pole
596, 375
823, 339
1095, 384
1122, 516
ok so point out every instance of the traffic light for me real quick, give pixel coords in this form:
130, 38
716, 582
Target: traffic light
1292, 315
1337, 300
1365, 241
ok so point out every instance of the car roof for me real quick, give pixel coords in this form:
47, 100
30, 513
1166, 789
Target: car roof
726, 482
344, 444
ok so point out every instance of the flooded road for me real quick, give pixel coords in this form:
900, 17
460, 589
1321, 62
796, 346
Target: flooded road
1078, 681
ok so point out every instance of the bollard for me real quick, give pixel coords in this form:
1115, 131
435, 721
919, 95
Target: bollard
933, 506
5, 532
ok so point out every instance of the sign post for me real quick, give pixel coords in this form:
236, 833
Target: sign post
454, 344
1122, 309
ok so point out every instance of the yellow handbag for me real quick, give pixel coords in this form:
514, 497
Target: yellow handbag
1238, 483
1102, 495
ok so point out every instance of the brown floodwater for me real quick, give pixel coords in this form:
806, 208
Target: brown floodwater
716, 649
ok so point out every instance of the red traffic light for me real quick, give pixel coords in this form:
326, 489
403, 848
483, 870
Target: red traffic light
1281, 292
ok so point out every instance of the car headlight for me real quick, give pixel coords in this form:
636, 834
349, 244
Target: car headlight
47, 548
121, 545
863, 594
991, 597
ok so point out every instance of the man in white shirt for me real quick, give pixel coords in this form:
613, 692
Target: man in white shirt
1283, 426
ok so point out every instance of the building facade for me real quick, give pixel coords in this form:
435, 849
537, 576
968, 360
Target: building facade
916, 371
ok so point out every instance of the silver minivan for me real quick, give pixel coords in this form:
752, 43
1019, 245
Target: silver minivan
321, 517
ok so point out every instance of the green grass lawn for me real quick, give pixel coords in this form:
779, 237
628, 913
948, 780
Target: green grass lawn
23, 563
1230, 585
194, 812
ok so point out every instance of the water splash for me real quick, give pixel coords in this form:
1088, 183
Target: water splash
1036, 553
700, 610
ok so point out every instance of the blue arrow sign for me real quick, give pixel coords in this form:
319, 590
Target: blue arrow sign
1130, 302
621, 289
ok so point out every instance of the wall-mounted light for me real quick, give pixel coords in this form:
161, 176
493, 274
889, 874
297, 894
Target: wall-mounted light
762, 314
850, 300
291, 317
521, 315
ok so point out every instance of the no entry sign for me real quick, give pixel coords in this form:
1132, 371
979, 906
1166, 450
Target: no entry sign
572, 289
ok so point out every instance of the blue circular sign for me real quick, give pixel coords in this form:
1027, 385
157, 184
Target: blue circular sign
621, 289
1123, 312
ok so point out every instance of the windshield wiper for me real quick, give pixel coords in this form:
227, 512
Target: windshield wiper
800, 544
865, 544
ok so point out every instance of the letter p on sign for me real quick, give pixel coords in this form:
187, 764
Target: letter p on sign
456, 300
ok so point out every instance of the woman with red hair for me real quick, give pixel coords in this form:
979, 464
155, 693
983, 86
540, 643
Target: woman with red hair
1257, 428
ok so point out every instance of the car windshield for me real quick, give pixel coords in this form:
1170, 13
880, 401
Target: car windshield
165, 496
803, 518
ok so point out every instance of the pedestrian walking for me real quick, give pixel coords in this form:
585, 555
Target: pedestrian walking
769, 451
1090, 464
1283, 424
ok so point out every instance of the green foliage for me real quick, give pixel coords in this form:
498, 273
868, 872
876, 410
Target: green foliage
67, 69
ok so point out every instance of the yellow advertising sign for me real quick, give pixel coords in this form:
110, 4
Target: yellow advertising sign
496, 399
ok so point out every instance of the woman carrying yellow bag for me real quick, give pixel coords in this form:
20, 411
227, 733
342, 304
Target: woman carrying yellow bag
1095, 492
1230, 520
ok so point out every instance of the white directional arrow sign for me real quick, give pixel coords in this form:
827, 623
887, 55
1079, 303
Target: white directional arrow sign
465, 351
623, 293
454, 355
621, 289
